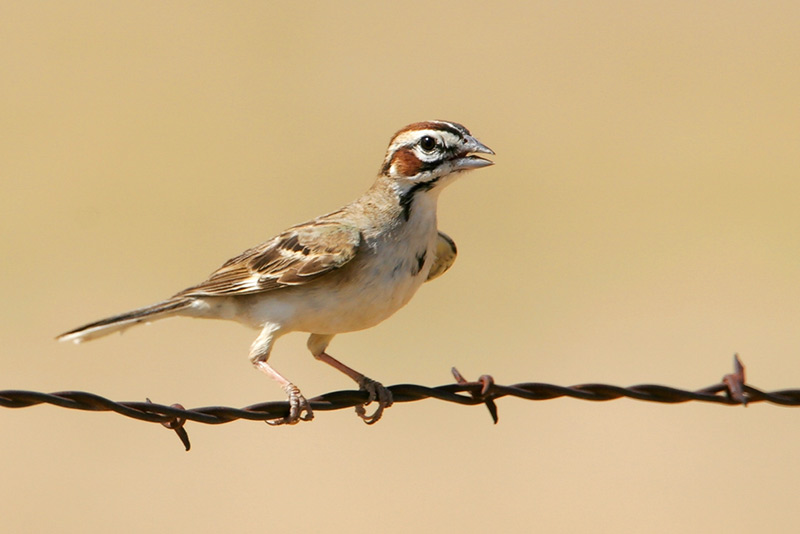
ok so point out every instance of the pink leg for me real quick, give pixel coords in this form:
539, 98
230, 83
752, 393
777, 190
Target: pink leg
375, 389
297, 403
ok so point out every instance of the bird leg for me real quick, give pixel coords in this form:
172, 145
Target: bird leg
259, 353
297, 403
377, 392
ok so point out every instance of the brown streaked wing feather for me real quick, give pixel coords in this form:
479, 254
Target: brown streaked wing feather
445, 256
297, 256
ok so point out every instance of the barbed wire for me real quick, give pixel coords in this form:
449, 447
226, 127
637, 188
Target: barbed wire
732, 390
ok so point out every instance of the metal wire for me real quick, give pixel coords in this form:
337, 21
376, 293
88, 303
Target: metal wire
732, 390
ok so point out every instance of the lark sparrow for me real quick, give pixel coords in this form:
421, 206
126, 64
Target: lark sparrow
344, 271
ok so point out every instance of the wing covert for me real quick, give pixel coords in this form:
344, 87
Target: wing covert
295, 257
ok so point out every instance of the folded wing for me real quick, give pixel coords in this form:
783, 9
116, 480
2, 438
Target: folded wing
295, 257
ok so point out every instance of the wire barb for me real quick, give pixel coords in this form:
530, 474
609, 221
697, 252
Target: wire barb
176, 424
486, 382
732, 390
734, 382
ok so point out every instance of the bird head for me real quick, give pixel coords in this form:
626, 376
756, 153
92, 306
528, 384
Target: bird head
423, 154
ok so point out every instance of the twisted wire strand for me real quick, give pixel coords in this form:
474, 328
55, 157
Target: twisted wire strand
731, 391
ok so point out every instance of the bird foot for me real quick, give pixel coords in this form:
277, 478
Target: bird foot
377, 392
297, 405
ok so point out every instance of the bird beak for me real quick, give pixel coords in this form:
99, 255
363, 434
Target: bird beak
468, 160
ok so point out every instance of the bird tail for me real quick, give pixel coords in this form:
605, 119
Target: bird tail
120, 322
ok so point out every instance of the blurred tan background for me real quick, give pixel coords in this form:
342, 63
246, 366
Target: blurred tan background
640, 226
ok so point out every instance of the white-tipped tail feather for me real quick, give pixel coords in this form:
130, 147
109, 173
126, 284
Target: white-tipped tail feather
120, 322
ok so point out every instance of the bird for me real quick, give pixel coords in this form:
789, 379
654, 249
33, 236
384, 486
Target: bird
341, 272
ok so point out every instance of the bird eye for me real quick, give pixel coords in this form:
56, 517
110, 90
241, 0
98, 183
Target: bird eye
427, 143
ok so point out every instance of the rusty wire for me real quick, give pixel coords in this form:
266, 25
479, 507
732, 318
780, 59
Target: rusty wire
732, 390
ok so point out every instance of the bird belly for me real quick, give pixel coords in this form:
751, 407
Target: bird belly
359, 296
350, 306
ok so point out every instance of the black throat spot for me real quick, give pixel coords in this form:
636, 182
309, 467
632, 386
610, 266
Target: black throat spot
420, 262
407, 198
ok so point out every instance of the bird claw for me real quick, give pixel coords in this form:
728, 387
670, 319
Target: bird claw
377, 392
297, 405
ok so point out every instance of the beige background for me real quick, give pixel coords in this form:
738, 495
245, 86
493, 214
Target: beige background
641, 225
